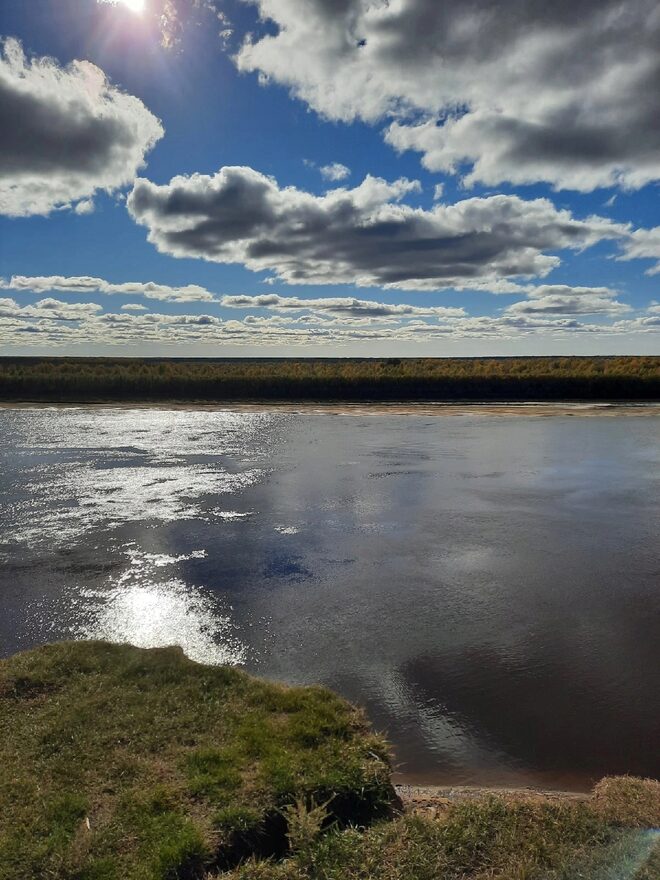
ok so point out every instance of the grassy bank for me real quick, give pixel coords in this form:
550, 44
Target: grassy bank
378, 379
125, 764
489, 839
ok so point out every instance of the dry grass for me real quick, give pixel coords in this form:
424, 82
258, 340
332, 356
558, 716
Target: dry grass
484, 839
626, 800
325, 379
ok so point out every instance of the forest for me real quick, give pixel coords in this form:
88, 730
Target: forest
634, 378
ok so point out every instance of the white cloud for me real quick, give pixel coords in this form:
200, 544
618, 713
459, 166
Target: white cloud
561, 299
86, 206
493, 90
65, 133
338, 306
89, 284
48, 310
644, 244
364, 236
335, 171
40, 326
347, 306
50, 322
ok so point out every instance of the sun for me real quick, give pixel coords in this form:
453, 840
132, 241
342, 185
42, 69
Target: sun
136, 6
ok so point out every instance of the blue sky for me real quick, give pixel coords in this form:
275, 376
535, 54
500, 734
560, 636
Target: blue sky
328, 178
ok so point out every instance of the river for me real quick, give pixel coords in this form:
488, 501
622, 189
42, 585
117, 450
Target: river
486, 585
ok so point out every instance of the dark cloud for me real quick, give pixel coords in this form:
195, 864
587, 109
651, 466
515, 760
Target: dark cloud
365, 235
515, 90
65, 132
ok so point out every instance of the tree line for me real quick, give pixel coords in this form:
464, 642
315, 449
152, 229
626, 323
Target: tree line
326, 379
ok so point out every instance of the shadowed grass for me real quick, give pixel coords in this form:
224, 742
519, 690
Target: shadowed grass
487, 839
123, 763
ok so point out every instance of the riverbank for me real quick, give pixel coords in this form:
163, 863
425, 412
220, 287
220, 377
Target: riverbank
437, 798
123, 762
141, 764
532, 408
333, 381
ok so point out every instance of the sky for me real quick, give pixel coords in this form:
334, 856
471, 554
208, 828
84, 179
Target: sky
329, 177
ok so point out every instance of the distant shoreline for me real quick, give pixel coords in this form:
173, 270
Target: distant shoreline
471, 408
387, 382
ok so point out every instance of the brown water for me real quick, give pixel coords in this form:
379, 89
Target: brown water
487, 586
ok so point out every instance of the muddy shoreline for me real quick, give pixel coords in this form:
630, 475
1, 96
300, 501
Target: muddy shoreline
531, 408
436, 798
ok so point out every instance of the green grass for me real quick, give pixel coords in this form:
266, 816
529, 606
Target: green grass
118, 763
125, 764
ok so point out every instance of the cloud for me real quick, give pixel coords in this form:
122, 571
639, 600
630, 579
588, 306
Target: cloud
19, 327
334, 171
560, 299
65, 133
50, 322
643, 244
89, 284
337, 306
48, 310
364, 236
510, 90
83, 284
86, 206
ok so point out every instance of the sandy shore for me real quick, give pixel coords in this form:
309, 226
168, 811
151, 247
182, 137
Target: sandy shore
433, 799
539, 410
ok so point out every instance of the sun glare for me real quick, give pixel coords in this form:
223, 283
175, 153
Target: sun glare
136, 6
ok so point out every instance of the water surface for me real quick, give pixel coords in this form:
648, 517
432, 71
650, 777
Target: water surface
485, 585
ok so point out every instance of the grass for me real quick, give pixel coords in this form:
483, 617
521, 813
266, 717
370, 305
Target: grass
486, 839
125, 764
326, 379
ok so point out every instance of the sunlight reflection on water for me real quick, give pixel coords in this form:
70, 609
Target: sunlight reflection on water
144, 466
148, 611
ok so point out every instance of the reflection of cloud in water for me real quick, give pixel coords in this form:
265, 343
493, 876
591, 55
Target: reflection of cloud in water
151, 613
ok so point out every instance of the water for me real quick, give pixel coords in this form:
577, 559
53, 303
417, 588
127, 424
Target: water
486, 586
